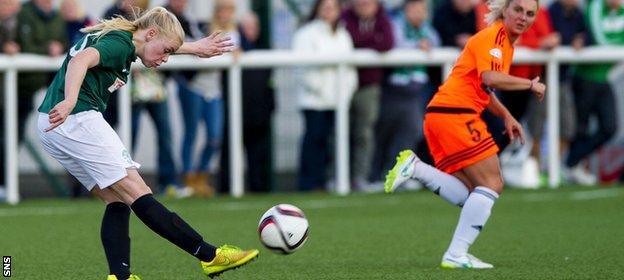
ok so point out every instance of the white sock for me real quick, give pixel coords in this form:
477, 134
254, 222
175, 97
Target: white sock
473, 217
445, 185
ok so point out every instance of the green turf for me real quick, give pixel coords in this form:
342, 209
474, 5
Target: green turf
569, 233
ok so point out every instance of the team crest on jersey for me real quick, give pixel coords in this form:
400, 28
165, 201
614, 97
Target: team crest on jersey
495, 52
116, 85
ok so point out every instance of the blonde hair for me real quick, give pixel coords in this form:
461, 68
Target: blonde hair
496, 8
227, 26
159, 18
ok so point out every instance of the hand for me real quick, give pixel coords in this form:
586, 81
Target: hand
55, 48
539, 89
550, 41
578, 42
424, 45
10, 48
213, 45
514, 129
59, 113
462, 39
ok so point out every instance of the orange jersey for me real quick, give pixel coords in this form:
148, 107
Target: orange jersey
488, 50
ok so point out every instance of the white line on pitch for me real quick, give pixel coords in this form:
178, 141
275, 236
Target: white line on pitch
597, 194
578, 195
226, 206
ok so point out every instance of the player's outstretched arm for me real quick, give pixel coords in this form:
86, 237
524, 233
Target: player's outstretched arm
213, 45
502, 81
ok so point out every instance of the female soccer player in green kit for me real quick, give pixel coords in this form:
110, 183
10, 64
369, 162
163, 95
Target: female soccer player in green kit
73, 131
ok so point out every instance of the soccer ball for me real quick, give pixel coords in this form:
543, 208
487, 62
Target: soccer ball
283, 228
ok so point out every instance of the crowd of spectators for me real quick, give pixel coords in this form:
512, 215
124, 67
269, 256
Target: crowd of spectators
386, 105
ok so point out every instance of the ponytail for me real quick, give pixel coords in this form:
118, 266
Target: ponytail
164, 21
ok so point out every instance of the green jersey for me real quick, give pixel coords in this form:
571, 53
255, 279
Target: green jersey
117, 52
607, 28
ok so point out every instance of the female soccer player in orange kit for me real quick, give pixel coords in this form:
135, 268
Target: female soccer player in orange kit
467, 171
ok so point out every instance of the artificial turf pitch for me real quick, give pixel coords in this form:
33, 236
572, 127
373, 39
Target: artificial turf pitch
567, 233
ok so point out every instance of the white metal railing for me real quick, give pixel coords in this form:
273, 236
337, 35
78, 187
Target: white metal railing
444, 57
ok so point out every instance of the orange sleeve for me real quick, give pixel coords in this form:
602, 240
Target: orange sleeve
488, 51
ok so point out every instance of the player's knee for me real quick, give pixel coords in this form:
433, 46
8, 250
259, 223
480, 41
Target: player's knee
497, 184
130, 189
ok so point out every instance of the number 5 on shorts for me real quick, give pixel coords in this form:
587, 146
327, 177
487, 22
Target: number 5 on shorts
476, 134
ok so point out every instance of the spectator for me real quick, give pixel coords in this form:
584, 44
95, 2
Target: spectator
406, 93
258, 106
370, 28
75, 19
8, 33
37, 29
481, 9
8, 27
593, 95
40, 30
318, 96
568, 20
149, 94
202, 101
182, 78
455, 21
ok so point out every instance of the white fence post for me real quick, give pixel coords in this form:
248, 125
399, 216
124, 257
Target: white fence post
124, 113
343, 185
237, 186
10, 134
552, 98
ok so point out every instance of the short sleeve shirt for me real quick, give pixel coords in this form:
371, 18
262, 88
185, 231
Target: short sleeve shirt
117, 52
488, 50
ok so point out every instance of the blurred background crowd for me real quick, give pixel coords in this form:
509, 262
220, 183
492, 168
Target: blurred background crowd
289, 116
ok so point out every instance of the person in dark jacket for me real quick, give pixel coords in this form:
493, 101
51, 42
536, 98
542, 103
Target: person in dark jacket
370, 28
8, 46
455, 21
258, 106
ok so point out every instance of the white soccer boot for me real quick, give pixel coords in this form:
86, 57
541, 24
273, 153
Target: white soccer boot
465, 261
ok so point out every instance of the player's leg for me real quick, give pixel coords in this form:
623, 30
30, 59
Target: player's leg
437, 128
486, 176
115, 233
65, 145
134, 192
409, 166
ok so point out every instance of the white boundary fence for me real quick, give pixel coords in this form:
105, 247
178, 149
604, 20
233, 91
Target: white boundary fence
444, 57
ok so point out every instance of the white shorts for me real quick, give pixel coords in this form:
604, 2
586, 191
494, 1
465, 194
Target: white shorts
88, 147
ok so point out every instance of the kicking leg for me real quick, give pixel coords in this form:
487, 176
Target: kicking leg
475, 213
409, 166
134, 192
115, 233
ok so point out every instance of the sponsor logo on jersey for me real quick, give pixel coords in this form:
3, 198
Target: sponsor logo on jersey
116, 85
495, 52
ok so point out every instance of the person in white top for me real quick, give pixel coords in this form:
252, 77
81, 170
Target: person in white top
206, 106
318, 89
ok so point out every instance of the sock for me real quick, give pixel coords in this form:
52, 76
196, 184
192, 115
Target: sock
116, 239
171, 227
473, 217
445, 185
